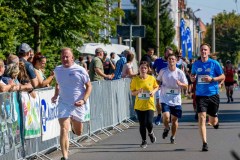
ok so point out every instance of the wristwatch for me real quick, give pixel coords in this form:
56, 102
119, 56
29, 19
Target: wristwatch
212, 79
84, 101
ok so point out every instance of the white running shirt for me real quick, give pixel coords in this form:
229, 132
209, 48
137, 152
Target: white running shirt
170, 91
71, 83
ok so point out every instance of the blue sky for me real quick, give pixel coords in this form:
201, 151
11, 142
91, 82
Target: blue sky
209, 8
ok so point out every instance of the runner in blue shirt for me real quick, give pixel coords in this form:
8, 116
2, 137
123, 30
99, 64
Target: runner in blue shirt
207, 73
159, 64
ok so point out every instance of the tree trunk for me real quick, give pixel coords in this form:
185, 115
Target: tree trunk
37, 40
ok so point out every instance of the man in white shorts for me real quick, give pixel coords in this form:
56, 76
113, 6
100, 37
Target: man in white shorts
171, 80
73, 89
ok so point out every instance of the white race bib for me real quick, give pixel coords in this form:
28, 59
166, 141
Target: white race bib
200, 79
144, 95
172, 91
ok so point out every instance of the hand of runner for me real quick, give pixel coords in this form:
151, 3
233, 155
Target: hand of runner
79, 103
207, 78
179, 83
152, 93
54, 99
140, 90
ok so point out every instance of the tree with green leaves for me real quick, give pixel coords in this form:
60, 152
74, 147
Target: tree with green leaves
149, 16
62, 22
48, 26
227, 28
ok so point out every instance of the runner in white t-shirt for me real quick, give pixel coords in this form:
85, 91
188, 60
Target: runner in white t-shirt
73, 89
171, 80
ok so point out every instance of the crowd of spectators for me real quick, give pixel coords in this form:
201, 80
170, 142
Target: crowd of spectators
24, 72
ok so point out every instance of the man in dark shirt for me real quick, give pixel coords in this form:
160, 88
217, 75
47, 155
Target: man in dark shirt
24, 52
148, 57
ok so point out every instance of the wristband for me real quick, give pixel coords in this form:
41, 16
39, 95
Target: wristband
84, 101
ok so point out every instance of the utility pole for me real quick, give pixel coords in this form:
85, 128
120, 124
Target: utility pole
139, 22
120, 20
213, 35
157, 40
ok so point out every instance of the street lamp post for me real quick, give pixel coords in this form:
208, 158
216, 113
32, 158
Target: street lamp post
199, 41
194, 20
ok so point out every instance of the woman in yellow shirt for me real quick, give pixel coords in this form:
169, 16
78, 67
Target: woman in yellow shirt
144, 87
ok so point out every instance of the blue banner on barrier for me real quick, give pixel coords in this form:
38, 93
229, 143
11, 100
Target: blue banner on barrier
189, 42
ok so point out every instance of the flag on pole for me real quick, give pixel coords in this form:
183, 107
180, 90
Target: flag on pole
189, 42
183, 37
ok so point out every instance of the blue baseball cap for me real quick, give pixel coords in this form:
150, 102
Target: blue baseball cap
24, 48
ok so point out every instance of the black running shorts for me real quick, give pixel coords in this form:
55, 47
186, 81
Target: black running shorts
208, 104
228, 84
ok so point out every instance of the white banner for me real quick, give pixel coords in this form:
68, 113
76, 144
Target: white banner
50, 125
31, 115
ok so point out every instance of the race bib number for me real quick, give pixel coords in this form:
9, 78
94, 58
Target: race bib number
201, 79
172, 91
144, 95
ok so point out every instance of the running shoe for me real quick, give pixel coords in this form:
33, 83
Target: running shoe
165, 133
152, 137
172, 140
158, 120
144, 144
205, 147
228, 100
216, 126
64, 158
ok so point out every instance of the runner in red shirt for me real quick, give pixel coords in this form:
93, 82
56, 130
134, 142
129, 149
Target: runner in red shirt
229, 81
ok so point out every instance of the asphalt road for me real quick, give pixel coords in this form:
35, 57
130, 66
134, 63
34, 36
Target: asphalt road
125, 145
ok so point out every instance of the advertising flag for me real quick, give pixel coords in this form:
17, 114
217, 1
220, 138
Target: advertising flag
189, 42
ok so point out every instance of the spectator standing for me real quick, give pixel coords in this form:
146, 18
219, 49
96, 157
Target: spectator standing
30, 59
39, 63
96, 71
144, 87
82, 63
11, 73
127, 71
24, 54
5, 87
107, 64
73, 88
112, 59
89, 59
120, 63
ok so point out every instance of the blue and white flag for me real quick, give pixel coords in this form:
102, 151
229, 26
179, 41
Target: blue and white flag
183, 37
189, 42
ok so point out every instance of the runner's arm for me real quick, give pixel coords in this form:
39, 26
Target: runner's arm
219, 78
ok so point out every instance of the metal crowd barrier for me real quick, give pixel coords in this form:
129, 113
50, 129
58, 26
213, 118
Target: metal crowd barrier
23, 121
